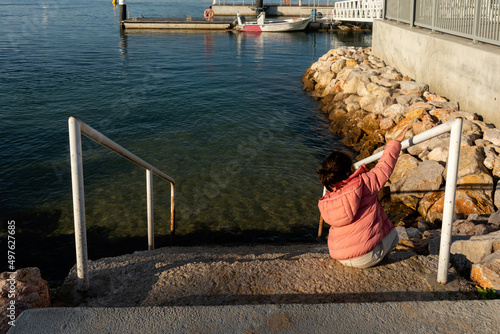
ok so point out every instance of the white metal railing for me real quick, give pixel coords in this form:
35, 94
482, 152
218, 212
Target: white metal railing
357, 10
76, 129
308, 3
455, 129
478, 20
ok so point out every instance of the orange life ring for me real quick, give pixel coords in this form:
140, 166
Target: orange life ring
209, 13
286, 2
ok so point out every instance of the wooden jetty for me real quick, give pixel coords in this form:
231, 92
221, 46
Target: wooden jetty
176, 23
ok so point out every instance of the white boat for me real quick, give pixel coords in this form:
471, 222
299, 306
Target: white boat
295, 24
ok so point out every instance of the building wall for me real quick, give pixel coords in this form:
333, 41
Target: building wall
453, 67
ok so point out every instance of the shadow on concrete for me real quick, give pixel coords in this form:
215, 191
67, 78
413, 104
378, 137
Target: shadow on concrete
370, 297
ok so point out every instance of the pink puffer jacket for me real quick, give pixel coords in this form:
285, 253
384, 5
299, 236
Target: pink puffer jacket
357, 219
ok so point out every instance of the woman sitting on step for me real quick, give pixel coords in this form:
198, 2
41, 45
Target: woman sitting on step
361, 234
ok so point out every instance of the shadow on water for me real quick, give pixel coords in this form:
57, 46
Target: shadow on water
54, 254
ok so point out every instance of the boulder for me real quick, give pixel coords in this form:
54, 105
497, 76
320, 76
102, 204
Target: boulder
408, 99
31, 291
392, 133
405, 164
386, 124
445, 105
489, 161
427, 177
412, 85
368, 102
351, 62
434, 97
352, 82
494, 219
423, 125
369, 124
368, 144
462, 114
394, 110
323, 80
382, 103
438, 154
471, 161
430, 208
496, 196
479, 188
477, 247
468, 139
338, 65
421, 105
384, 82
487, 272
492, 135
440, 113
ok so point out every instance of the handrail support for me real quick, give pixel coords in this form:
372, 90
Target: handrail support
76, 129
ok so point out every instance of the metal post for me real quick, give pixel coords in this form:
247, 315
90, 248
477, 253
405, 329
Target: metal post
477, 20
172, 212
449, 201
75, 144
434, 15
259, 7
123, 10
412, 14
151, 227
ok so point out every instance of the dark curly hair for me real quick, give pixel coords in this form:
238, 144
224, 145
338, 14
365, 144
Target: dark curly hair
335, 168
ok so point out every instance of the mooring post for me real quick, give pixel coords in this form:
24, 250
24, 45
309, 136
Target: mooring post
123, 10
259, 7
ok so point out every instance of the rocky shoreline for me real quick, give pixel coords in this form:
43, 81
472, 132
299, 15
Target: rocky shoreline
369, 103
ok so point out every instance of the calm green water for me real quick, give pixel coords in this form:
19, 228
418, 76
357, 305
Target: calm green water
222, 113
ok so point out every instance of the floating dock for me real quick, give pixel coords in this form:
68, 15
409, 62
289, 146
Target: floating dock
177, 23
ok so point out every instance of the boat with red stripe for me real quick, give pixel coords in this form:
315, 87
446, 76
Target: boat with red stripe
279, 25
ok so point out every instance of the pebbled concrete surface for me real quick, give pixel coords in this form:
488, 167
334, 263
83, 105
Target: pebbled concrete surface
294, 288
262, 274
392, 317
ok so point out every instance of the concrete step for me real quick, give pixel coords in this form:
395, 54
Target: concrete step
465, 316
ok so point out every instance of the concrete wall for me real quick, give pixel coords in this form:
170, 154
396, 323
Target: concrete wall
453, 67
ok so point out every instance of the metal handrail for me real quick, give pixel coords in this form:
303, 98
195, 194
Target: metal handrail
478, 20
76, 129
455, 129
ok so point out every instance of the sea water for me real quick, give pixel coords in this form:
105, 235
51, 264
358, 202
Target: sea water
223, 113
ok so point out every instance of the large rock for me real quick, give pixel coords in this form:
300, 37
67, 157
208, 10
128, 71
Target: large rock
487, 272
30, 291
351, 84
478, 247
338, 65
492, 135
471, 161
427, 177
369, 124
406, 164
412, 85
438, 154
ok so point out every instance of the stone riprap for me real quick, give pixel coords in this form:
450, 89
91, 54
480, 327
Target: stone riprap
21, 290
369, 103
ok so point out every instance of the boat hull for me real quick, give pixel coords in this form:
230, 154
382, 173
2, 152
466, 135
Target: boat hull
297, 24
